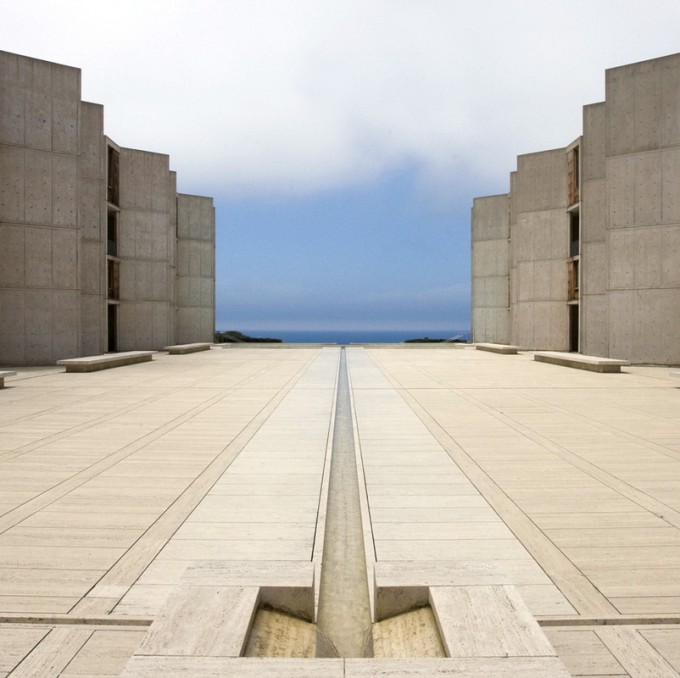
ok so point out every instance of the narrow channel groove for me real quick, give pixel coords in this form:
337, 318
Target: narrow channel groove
344, 617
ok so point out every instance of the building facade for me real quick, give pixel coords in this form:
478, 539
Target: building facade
583, 253
98, 251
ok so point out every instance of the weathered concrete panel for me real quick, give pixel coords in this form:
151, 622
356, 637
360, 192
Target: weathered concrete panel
542, 181
65, 108
91, 324
143, 281
12, 259
593, 147
91, 140
648, 188
38, 326
38, 257
621, 190
90, 211
65, 323
621, 259
159, 281
670, 192
12, 327
621, 306
64, 190
670, 86
670, 257
127, 230
126, 326
160, 233
144, 323
38, 187
647, 255
37, 90
91, 261
490, 218
594, 267
12, 171
64, 258
593, 211
12, 101
128, 280
594, 323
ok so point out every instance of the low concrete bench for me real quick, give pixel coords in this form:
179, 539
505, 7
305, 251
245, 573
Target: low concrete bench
3, 375
581, 362
505, 349
181, 349
94, 363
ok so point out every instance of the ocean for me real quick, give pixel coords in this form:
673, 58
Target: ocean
356, 336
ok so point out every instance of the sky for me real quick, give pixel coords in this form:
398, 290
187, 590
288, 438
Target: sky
343, 141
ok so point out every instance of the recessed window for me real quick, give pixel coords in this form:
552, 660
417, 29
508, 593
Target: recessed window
573, 178
572, 281
113, 176
574, 233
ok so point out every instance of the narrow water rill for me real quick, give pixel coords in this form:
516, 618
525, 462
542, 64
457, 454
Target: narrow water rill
344, 616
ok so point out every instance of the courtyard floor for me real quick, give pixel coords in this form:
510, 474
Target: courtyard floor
475, 469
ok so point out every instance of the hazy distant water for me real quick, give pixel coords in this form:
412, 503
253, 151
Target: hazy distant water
356, 336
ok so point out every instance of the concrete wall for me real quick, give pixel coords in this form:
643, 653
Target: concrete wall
490, 269
146, 238
540, 247
643, 235
195, 269
39, 172
594, 260
92, 222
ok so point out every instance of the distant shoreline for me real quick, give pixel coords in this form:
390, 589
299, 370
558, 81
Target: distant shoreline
355, 336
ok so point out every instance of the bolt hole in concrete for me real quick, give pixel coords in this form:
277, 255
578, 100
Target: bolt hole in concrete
344, 627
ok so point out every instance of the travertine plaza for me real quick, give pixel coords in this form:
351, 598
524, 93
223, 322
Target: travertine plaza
583, 253
337, 511
150, 511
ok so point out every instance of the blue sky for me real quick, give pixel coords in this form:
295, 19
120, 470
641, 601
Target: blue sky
343, 140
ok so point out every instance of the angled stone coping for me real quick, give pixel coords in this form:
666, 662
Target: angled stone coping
284, 585
4, 374
93, 363
581, 362
181, 349
505, 349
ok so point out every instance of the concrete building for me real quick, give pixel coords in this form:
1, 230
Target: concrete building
583, 253
98, 251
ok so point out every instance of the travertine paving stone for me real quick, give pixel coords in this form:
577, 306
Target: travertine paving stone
480, 470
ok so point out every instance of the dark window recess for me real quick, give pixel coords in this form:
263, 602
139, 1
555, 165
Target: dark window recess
113, 279
573, 327
574, 234
112, 319
573, 179
112, 234
572, 281
113, 177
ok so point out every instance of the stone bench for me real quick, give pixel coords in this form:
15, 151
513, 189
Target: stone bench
4, 374
581, 362
181, 349
94, 363
504, 349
